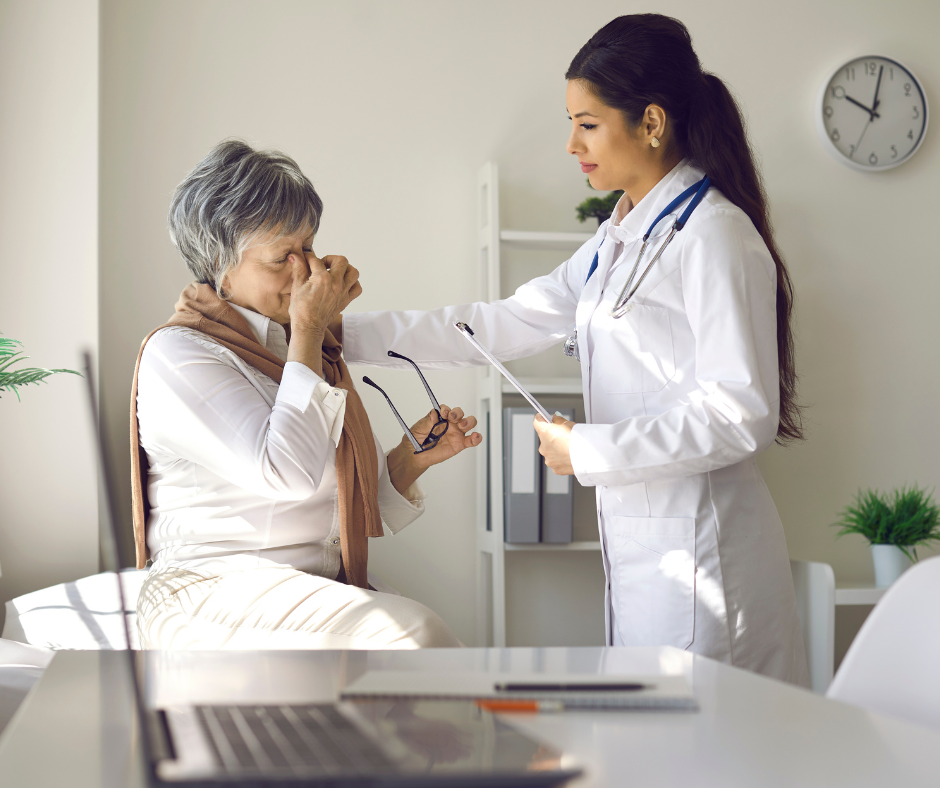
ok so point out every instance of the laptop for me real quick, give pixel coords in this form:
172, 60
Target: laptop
366, 742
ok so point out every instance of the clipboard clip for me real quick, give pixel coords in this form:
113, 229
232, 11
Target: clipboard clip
465, 329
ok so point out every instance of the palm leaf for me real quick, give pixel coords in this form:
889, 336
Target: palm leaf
12, 380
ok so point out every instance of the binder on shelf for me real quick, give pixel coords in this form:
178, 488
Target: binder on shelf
522, 476
557, 500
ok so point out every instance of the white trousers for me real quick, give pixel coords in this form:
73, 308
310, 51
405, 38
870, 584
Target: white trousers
279, 608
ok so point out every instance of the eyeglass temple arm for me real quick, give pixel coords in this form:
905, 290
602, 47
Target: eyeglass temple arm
411, 437
427, 388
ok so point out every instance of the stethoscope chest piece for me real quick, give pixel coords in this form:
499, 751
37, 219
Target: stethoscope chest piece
624, 303
571, 347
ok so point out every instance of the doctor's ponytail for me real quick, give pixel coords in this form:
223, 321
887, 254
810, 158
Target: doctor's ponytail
644, 59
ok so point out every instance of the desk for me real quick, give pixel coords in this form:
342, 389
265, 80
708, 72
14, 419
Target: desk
859, 594
76, 728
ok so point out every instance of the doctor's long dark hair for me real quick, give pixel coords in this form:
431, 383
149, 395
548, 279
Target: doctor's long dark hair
644, 59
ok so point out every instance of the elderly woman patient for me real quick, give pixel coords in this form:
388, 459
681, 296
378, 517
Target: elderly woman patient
257, 479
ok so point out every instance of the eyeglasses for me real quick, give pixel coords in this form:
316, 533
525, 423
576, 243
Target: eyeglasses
437, 431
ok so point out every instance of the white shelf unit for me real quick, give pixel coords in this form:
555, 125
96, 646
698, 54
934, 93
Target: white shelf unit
491, 549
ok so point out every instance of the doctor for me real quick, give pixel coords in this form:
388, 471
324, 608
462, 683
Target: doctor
681, 308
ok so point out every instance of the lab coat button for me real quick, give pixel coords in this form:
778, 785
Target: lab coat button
334, 541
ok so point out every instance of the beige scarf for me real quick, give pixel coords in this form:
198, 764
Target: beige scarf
357, 470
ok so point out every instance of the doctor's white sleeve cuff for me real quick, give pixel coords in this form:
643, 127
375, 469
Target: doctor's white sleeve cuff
354, 351
584, 457
399, 509
300, 386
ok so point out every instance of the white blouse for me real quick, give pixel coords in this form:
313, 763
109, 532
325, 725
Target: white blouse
242, 470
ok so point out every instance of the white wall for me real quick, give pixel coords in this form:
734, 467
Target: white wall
48, 296
392, 107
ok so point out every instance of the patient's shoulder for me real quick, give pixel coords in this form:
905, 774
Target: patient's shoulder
181, 351
181, 342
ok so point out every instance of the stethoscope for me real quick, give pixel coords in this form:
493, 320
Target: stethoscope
622, 305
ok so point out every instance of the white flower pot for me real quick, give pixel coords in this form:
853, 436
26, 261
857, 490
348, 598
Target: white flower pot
890, 563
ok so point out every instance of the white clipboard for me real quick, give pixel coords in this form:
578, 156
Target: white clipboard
464, 329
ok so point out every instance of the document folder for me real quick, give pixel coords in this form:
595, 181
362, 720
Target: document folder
557, 500
522, 476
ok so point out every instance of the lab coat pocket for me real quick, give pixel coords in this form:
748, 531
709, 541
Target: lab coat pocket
653, 579
641, 343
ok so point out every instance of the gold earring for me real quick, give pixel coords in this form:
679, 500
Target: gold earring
655, 142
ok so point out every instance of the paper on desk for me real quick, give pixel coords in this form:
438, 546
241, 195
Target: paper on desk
660, 692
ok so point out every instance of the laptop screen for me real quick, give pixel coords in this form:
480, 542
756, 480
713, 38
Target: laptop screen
154, 739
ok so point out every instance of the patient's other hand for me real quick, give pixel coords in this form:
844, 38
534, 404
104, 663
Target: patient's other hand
457, 438
404, 466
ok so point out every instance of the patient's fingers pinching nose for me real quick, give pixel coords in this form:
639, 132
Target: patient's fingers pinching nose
299, 270
302, 267
339, 266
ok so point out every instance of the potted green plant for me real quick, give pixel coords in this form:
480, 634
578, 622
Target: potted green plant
13, 379
895, 524
599, 208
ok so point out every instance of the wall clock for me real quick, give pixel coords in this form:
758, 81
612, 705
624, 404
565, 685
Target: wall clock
872, 113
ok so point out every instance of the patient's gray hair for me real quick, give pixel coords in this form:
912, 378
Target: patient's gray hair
233, 196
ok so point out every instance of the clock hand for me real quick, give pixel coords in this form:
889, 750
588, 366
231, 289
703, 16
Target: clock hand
859, 104
875, 102
855, 149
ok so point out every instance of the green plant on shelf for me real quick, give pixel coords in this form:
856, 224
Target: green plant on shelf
904, 518
599, 208
14, 379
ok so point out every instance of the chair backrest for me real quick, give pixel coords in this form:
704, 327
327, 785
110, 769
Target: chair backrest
893, 666
815, 587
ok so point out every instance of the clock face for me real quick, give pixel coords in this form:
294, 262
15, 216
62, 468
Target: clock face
872, 113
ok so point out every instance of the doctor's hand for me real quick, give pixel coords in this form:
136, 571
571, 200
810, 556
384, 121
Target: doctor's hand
555, 442
404, 466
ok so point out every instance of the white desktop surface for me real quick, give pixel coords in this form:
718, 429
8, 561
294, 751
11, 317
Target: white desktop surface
76, 728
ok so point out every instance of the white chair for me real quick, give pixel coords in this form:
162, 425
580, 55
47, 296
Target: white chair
83, 614
893, 666
815, 586
21, 666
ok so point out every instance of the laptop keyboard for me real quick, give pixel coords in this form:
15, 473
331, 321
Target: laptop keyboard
289, 740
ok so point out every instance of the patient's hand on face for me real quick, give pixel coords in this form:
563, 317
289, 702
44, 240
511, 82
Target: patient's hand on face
404, 466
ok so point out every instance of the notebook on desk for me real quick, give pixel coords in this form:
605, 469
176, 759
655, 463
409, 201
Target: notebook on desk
565, 691
365, 742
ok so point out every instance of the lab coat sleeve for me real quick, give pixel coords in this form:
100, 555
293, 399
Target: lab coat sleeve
540, 314
729, 292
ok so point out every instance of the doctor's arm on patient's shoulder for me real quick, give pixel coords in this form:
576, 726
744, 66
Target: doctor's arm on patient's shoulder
539, 315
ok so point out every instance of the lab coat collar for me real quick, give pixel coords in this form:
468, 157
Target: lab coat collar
269, 334
627, 223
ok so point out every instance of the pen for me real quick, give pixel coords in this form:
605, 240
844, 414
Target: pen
519, 706
531, 687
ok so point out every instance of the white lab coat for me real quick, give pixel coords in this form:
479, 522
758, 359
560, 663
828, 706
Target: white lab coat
680, 395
